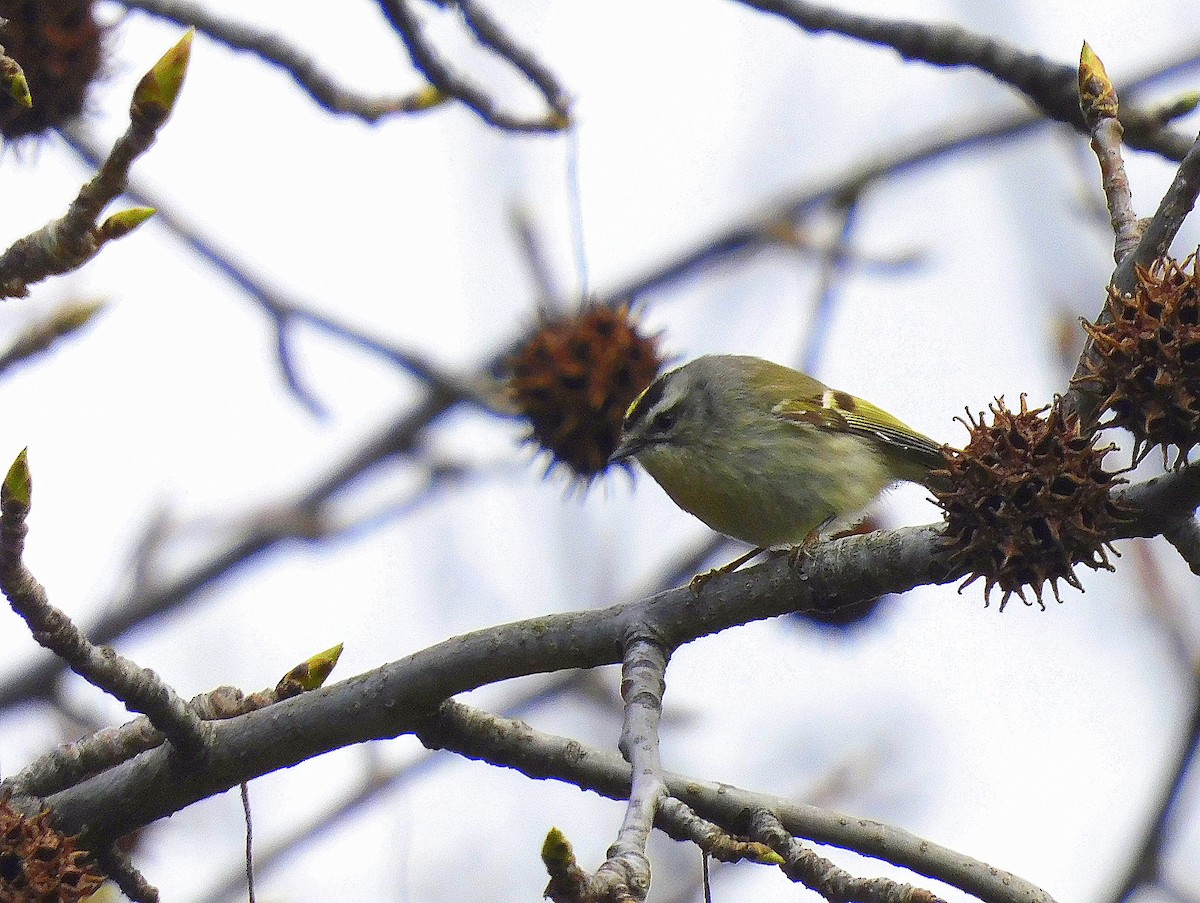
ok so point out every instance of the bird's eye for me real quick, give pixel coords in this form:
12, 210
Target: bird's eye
663, 421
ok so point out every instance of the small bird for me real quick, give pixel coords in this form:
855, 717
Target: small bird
767, 454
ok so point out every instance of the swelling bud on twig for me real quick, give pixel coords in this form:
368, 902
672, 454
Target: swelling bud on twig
429, 97
309, 674
42, 335
154, 98
121, 224
12, 79
16, 492
1097, 96
568, 881
59, 46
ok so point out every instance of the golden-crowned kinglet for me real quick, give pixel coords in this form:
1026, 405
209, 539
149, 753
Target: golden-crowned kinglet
767, 454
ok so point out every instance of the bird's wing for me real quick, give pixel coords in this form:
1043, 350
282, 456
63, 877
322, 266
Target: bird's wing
842, 412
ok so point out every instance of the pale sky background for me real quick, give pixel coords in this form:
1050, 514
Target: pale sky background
1030, 740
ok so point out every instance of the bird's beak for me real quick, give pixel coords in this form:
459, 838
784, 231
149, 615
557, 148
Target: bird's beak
626, 450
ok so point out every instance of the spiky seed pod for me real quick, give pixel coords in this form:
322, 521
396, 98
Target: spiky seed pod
1146, 364
59, 45
40, 864
574, 378
1028, 500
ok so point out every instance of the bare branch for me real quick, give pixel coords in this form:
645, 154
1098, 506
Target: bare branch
72, 240
379, 782
1098, 103
852, 568
71, 763
286, 312
1145, 862
1185, 537
515, 744
1155, 241
1052, 86
117, 865
491, 34
140, 689
42, 335
681, 822
819, 874
271, 47
427, 59
625, 873
1175, 205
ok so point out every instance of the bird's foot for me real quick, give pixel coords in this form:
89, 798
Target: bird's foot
698, 582
798, 554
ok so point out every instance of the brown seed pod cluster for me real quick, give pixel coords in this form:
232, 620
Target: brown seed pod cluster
1029, 499
59, 45
1146, 364
574, 378
40, 864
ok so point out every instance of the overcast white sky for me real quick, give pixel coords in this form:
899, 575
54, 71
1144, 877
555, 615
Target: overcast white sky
1030, 740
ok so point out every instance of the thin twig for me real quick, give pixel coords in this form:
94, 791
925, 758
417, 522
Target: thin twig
830, 275
1185, 537
119, 868
758, 229
1174, 207
285, 311
140, 689
681, 821
322, 86
491, 34
1155, 241
1144, 863
549, 296
45, 333
515, 744
1098, 103
1052, 86
625, 872
427, 59
381, 782
249, 841
67, 243
70, 763
819, 874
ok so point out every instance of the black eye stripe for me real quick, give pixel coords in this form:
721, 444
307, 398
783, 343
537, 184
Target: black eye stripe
646, 402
